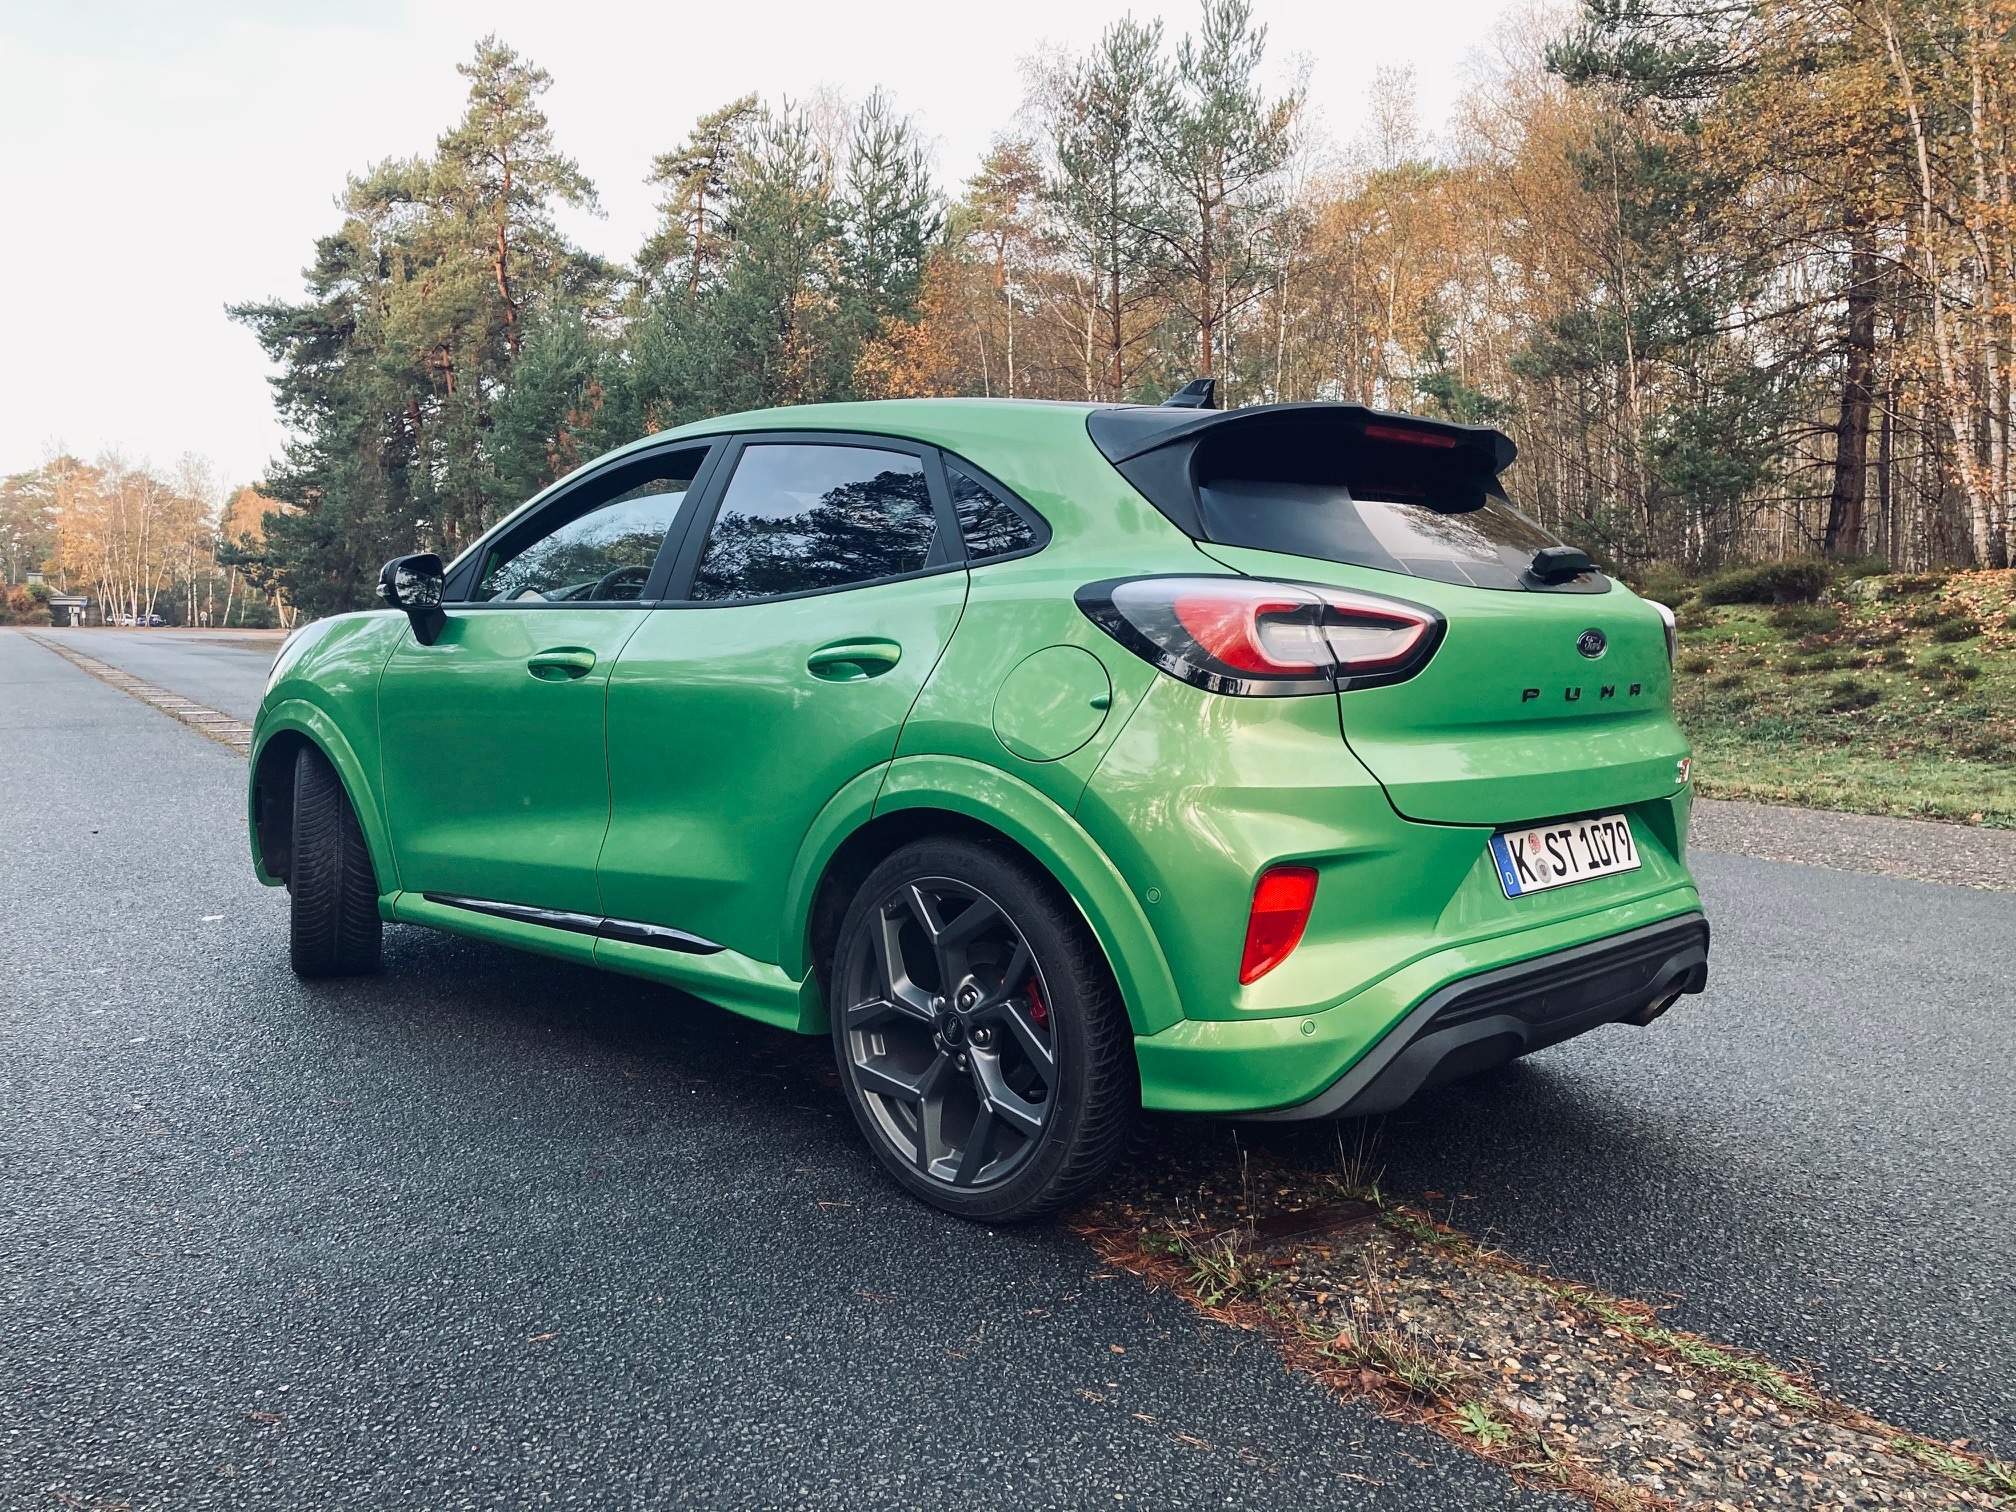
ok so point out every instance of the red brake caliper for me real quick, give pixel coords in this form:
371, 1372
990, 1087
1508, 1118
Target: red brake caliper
1039, 1011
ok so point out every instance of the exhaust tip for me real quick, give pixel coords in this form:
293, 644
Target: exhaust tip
1653, 1009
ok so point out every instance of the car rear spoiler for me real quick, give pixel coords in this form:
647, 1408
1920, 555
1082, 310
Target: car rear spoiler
1154, 446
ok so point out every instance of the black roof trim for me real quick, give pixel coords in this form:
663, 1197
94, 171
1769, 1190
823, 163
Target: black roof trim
1123, 432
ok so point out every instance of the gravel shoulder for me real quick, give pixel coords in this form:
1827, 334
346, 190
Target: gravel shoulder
1958, 854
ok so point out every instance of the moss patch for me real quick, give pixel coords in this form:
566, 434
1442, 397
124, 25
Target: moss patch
1922, 726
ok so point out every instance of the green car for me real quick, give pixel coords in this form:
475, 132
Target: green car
1059, 760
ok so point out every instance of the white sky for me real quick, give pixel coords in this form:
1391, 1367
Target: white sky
162, 158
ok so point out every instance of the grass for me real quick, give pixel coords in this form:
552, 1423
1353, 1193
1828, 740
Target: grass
1221, 1270
1984, 1475
1904, 705
1477, 1420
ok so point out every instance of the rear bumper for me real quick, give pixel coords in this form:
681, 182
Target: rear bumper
1486, 1020
1443, 1015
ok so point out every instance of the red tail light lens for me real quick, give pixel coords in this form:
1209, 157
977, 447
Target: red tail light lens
1245, 636
1281, 903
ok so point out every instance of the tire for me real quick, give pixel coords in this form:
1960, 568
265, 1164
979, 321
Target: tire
334, 929
979, 1035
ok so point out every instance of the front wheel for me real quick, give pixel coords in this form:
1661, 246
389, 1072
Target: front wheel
334, 928
978, 1033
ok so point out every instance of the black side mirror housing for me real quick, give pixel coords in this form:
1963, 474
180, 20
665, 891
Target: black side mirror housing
1559, 564
416, 584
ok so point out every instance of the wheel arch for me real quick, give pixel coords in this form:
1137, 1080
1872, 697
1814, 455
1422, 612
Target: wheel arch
927, 795
284, 733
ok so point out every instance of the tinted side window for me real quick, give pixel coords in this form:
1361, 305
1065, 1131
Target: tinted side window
798, 517
600, 545
991, 525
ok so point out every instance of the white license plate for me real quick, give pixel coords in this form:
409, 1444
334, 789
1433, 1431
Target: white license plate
1555, 855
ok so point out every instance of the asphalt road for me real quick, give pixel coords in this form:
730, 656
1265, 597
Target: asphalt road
364, 1207
492, 1231
228, 674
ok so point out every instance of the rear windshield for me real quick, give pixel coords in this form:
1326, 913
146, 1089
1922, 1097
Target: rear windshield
1337, 482
1396, 506
1481, 541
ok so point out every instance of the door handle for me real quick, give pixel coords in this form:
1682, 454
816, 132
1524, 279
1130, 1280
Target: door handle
561, 664
853, 661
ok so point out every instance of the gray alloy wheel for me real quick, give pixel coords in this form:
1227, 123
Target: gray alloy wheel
977, 1034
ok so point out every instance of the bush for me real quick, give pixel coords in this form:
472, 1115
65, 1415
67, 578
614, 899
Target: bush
1667, 584
1847, 694
1986, 746
1932, 615
1695, 616
1955, 630
1788, 582
1950, 667
1924, 582
22, 605
1694, 666
1806, 619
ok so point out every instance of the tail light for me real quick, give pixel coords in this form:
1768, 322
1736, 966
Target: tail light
1281, 902
1256, 638
1672, 630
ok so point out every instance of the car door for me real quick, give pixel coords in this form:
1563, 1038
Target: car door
817, 600
495, 775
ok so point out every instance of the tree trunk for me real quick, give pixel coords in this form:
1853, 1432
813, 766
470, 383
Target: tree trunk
1843, 535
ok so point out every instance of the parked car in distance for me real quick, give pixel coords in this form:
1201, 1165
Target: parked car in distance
140, 620
1055, 760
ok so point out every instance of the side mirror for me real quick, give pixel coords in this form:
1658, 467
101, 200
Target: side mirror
415, 584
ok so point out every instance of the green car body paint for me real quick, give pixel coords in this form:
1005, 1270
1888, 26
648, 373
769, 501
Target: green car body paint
1263, 762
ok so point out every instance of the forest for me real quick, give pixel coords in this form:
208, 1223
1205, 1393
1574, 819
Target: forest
1739, 277
142, 544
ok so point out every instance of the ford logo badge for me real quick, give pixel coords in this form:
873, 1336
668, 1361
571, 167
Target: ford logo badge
1592, 643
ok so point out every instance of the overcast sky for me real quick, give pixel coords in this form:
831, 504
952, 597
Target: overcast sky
162, 158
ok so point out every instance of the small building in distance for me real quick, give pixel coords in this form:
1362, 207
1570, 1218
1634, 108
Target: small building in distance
66, 610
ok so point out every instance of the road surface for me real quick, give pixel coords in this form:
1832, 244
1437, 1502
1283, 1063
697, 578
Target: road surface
491, 1229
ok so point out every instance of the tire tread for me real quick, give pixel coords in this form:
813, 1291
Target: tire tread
334, 928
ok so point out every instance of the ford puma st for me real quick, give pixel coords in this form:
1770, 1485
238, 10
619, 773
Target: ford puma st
1057, 760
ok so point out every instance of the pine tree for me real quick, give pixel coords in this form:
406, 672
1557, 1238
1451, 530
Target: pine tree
1109, 207
889, 215
692, 209
1219, 144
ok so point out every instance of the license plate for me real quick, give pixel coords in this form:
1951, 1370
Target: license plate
1556, 855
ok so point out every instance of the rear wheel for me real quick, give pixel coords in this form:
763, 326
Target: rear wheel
334, 929
979, 1037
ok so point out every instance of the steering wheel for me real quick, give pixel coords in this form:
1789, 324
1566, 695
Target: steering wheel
634, 578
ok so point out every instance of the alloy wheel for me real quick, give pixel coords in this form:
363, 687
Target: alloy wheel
948, 1032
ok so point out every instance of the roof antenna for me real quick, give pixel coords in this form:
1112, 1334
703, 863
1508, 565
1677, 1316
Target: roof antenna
1201, 393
